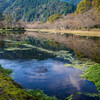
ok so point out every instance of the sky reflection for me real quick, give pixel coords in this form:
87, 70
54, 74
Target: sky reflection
49, 75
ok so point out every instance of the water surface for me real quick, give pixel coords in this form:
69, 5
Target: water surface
38, 62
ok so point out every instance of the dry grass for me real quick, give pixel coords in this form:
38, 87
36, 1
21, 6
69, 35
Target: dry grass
75, 32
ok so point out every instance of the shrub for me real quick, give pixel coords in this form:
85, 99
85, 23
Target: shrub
54, 17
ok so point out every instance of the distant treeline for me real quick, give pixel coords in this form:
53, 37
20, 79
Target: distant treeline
86, 16
36, 10
52, 14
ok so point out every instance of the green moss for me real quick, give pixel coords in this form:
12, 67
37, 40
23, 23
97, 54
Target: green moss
12, 90
93, 74
5, 71
91, 71
71, 97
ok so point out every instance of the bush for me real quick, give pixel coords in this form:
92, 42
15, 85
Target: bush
42, 22
54, 17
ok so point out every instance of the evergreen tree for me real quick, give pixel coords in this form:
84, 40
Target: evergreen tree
8, 20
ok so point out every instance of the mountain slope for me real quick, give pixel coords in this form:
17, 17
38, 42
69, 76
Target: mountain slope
5, 3
82, 6
73, 2
30, 10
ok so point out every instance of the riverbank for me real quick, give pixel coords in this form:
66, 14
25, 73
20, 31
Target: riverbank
92, 33
11, 29
92, 74
12, 90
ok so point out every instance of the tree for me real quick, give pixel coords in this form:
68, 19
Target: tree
0, 19
54, 17
8, 20
86, 5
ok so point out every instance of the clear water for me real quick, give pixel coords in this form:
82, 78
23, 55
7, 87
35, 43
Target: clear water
38, 63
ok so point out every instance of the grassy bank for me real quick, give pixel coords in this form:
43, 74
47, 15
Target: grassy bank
93, 32
91, 71
93, 74
10, 90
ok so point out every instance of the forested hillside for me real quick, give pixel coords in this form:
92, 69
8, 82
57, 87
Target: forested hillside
33, 10
74, 2
86, 5
87, 16
5, 3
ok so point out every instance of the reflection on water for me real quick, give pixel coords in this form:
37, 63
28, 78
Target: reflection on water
38, 61
49, 75
82, 46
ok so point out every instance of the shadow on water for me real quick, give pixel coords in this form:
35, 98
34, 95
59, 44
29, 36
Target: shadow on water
38, 61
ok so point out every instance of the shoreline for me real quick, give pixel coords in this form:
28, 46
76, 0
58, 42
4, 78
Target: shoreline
91, 33
10, 89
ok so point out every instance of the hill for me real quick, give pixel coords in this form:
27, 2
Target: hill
5, 4
34, 10
87, 17
86, 5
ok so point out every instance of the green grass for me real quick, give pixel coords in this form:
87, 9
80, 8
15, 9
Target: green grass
85, 94
10, 90
93, 74
5, 71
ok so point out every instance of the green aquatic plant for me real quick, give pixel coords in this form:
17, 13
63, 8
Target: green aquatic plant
82, 64
71, 97
53, 43
91, 70
39, 94
93, 94
13, 48
20, 43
